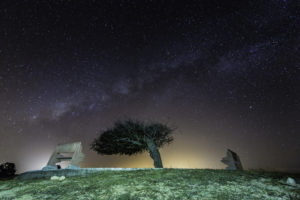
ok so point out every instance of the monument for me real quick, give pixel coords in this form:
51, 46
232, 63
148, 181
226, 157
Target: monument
232, 160
66, 152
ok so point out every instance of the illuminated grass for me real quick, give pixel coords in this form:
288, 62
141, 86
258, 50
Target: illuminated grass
156, 184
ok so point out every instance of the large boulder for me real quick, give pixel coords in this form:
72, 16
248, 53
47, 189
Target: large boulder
232, 160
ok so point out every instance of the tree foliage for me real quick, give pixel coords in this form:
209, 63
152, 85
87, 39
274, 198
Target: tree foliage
7, 170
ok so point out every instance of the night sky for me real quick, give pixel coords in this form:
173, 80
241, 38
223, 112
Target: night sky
225, 73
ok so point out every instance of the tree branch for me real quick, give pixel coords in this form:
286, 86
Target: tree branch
128, 140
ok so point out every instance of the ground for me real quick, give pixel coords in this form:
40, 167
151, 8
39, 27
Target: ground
161, 184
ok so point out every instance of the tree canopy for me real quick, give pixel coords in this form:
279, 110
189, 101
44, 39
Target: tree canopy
130, 137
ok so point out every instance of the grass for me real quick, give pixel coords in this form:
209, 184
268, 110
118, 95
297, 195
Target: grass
162, 184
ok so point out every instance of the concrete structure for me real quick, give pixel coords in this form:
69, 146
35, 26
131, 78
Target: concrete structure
66, 152
232, 160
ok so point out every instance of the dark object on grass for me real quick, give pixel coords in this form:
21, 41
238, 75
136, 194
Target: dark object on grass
130, 137
7, 170
232, 160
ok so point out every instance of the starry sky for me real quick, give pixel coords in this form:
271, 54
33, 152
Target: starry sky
225, 73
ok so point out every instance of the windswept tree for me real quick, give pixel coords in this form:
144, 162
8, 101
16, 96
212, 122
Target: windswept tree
131, 137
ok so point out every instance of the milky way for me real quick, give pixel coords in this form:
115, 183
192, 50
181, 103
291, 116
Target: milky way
226, 74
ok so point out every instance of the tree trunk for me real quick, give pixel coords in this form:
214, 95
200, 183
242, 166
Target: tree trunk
154, 153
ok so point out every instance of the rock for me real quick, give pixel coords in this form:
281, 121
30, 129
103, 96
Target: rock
58, 178
54, 178
291, 181
232, 160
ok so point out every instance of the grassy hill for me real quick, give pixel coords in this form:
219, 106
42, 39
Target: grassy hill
157, 184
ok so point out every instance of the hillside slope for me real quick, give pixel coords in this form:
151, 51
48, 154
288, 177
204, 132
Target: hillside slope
157, 184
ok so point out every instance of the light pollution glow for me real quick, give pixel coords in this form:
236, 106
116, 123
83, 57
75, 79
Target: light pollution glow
175, 155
